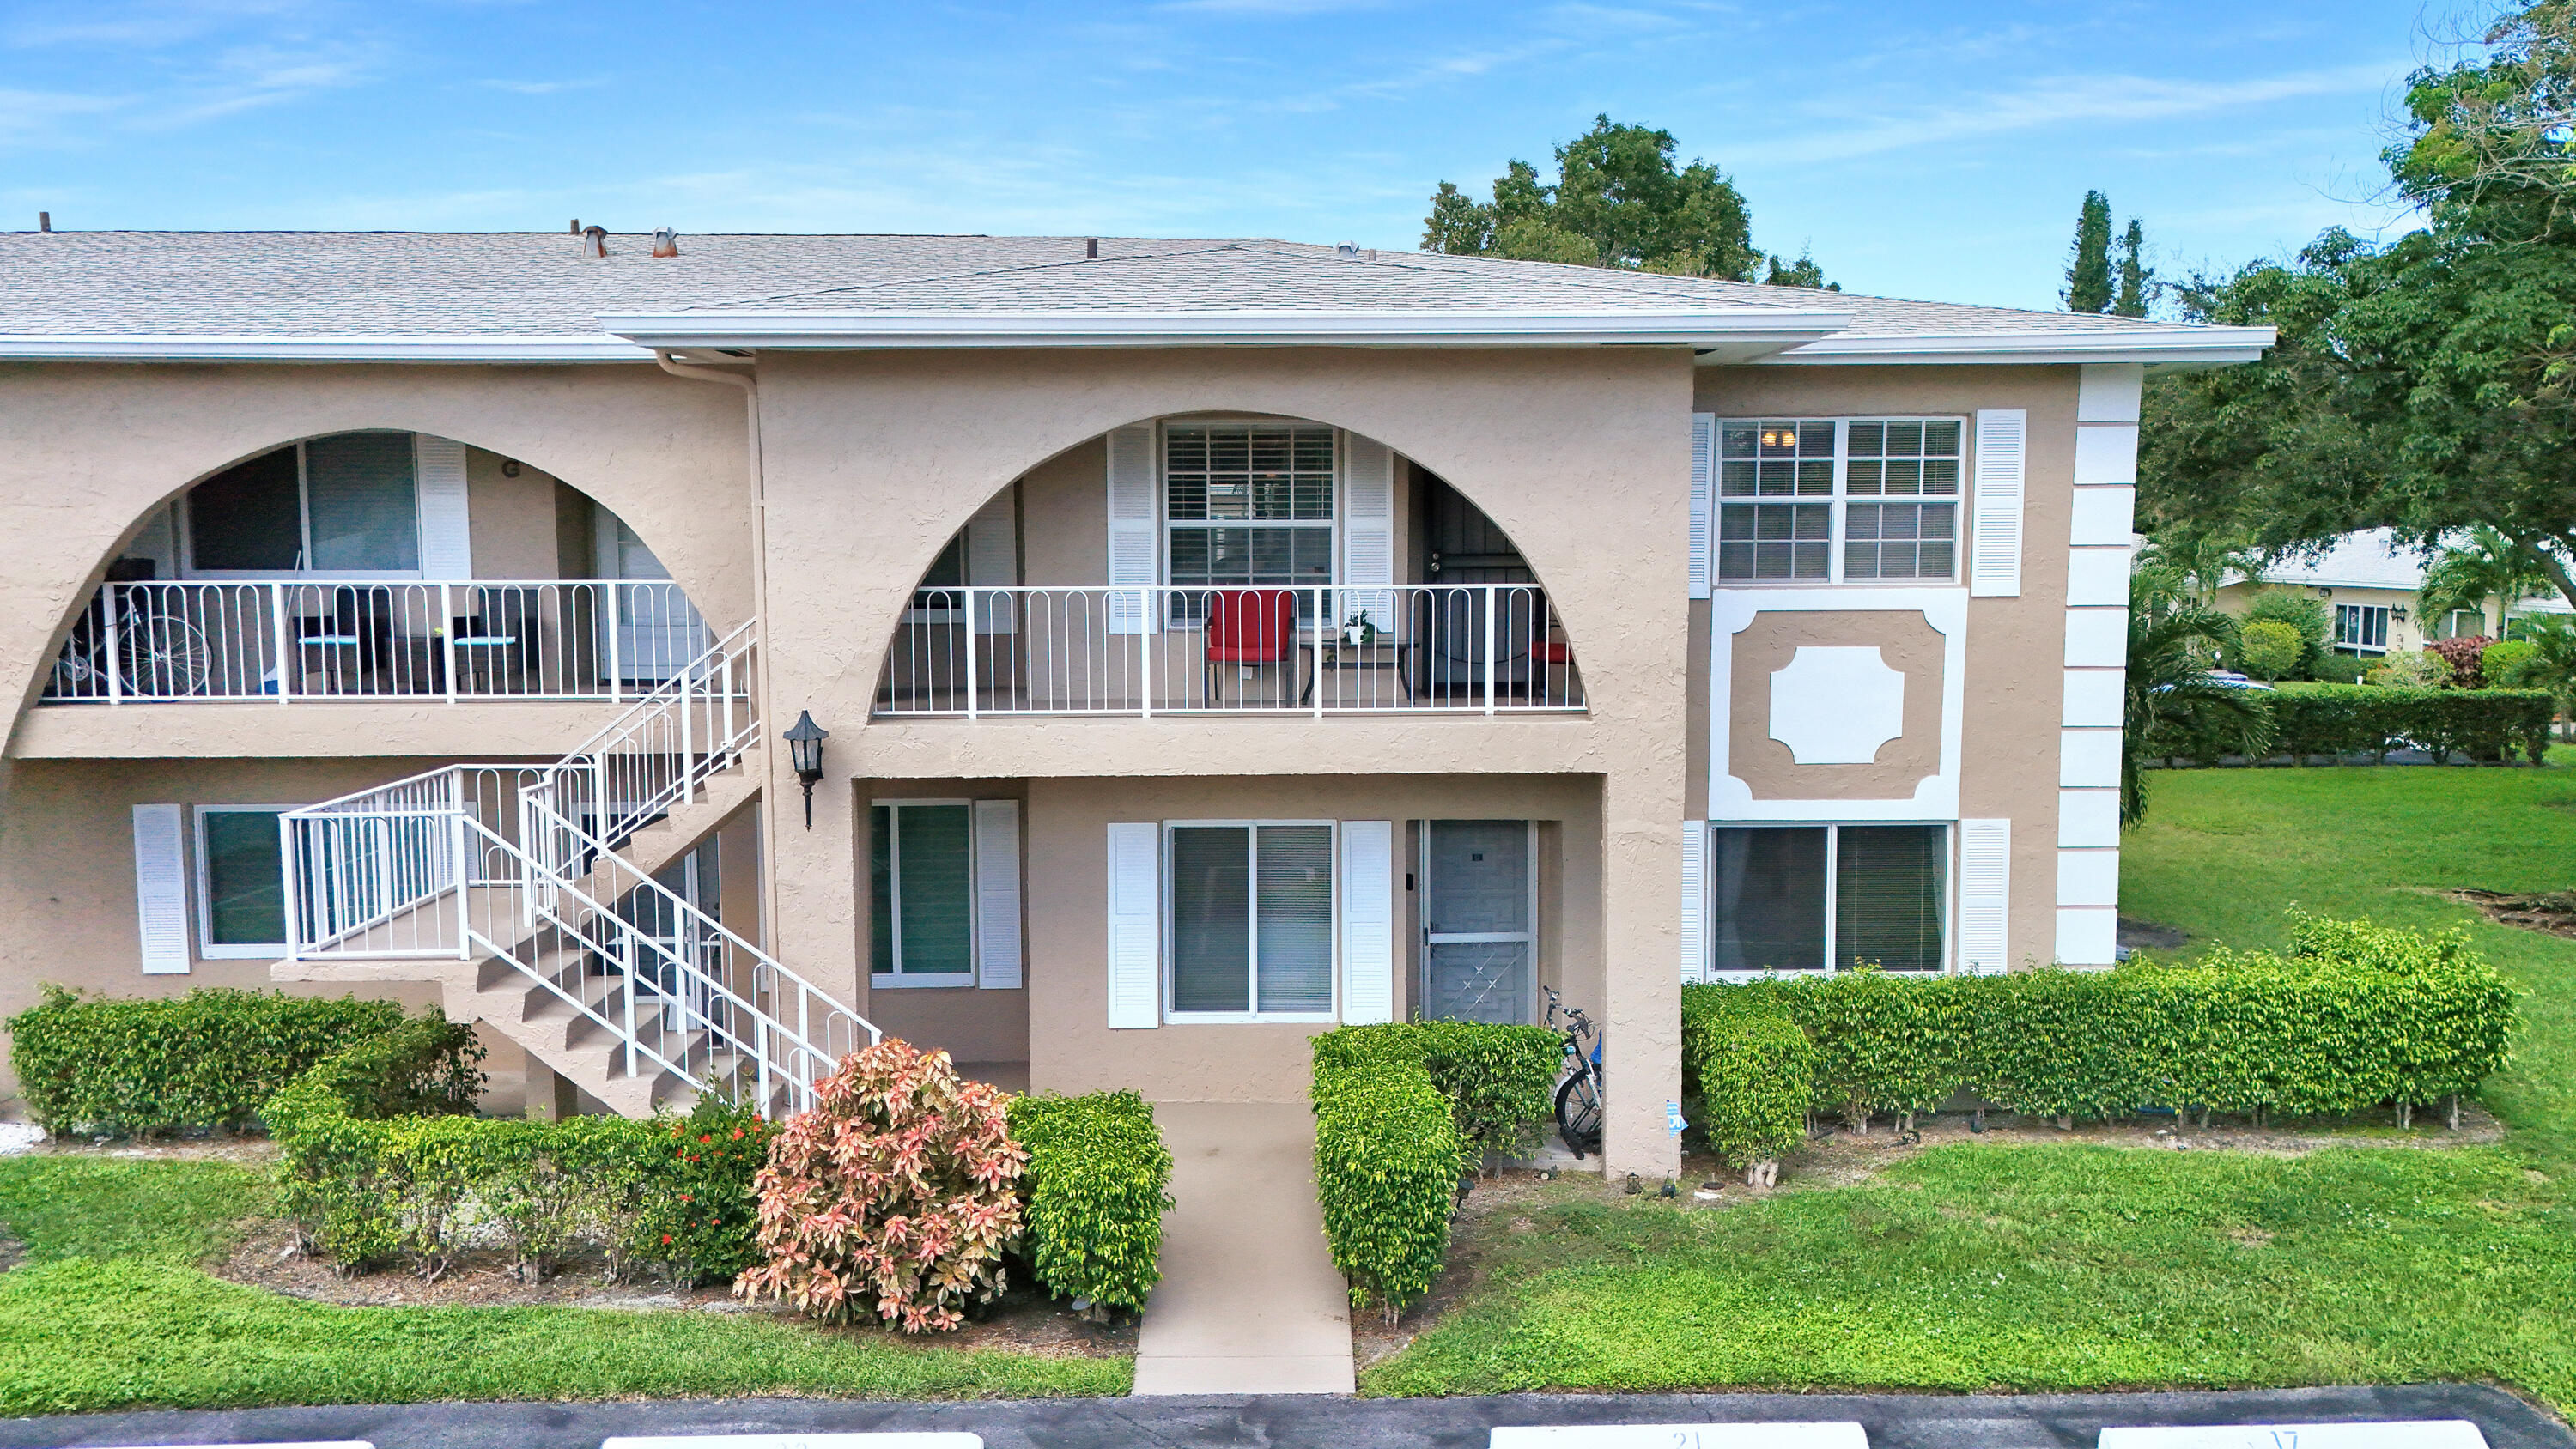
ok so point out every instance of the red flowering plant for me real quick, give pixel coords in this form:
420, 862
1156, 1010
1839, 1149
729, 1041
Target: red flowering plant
894, 1195
699, 1220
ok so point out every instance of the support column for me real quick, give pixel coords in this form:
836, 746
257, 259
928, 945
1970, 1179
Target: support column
1641, 896
816, 881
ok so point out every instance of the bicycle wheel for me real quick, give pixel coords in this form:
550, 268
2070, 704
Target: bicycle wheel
1578, 1113
166, 656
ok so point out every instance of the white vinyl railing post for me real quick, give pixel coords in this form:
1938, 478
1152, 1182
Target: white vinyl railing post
1489, 648
457, 860
1323, 641
616, 673
111, 636
626, 952
1148, 639
446, 634
973, 700
688, 751
290, 655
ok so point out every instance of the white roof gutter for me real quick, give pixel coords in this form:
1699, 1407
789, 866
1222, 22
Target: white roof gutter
2164, 346
1767, 328
147, 347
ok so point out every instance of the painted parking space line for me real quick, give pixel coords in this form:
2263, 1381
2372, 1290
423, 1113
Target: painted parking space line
2411, 1434
1822, 1435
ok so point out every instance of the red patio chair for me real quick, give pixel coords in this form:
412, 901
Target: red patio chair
1248, 626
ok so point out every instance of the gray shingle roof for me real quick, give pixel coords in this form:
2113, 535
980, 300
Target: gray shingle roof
449, 284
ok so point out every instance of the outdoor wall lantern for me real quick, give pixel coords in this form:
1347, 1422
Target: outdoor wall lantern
805, 754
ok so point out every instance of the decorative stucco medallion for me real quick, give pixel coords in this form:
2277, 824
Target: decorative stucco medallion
1836, 704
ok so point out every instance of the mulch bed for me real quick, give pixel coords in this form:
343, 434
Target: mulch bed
2550, 912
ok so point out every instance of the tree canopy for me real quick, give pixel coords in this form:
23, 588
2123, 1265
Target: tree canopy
2423, 385
2092, 282
1619, 200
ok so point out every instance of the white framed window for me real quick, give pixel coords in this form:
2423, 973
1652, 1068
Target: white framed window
1828, 898
2464, 623
1248, 505
2361, 628
1249, 917
1836, 500
921, 873
346, 506
241, 882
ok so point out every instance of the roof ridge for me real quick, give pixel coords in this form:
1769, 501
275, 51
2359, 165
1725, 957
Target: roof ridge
960, 274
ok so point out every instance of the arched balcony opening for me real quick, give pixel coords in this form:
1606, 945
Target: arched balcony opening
378, 565
1207, 564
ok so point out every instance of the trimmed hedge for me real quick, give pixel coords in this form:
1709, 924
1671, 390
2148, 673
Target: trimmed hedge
1098, 1182
380, 1159
1403, 1112
2357, 1014
1751, 1067
151, 1066
2487, 725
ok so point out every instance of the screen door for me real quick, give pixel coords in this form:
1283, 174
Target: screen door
1479, 945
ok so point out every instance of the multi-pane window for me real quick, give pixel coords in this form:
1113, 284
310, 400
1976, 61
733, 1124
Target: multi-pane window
241, 881
2362, 628
1834, 501
1808, 898
1252, 918
1248, 504
343, 504
921, 873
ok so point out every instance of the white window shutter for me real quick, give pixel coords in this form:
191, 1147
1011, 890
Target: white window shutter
1703, 501
1135, 924
1994, 550
161, 887
1368, 531
1368, 921
1134, 557
1694, 900
997, 895
993, 558
1985, 895
446, 532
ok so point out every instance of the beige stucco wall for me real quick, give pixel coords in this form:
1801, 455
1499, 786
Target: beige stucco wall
1906, 643
1071, 1047
2015, 653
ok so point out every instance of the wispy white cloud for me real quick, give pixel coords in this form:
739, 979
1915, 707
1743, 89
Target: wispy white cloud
544, 88
35, 117
146, 25
2071, 100
1270, 9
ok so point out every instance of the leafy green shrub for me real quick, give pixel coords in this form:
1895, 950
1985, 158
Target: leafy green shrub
2335, 720
2512, 664
697, 1218
893, 1196
208, 1059
341, 1176
1753, 1069
1097, 1185
1498, 1079
2305, 617
2338, 669
1387, 1165
2269, 649
2356, 1014
2422, 669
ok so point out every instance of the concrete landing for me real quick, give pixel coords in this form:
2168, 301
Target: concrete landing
1249, 1302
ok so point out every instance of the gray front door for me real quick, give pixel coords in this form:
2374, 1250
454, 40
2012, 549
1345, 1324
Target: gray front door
1478, 946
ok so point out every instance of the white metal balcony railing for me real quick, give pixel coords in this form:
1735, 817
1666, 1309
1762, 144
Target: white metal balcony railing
1447, 648
476, 861
547, 639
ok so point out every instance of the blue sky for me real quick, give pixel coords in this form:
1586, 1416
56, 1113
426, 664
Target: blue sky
1919, 150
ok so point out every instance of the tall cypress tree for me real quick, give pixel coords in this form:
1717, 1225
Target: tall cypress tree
2088, 273
2135, 276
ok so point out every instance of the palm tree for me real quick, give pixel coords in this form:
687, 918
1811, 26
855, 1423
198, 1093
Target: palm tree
2173, 639
2200, 564
2482, 565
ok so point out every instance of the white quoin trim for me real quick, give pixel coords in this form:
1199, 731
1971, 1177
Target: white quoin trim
1703, 501
1985, 896
1135, 562
1135, 924
1368, 921
1694, 900
997, 895
446, 527
161, 888
1994, 545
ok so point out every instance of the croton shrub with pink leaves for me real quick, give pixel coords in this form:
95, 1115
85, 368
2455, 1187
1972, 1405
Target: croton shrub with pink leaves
894, 1196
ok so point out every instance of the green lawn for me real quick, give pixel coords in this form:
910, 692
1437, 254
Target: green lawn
2067, 1267
110, 1310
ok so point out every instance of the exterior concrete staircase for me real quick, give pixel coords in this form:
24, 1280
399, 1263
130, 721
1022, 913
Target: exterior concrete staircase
526, 894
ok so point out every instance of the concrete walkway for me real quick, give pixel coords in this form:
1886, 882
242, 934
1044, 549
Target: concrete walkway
1249, 1302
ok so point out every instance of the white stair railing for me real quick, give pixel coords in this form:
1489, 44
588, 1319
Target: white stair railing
485, 861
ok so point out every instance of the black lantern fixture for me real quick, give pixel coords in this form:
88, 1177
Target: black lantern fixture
805, 754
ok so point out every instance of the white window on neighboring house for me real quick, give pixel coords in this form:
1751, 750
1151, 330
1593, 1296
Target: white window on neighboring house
241, 882
345, 506
921, 870
1249, 907
1839, 500
2361, 628
1828, 897
1247, 505
2463, 623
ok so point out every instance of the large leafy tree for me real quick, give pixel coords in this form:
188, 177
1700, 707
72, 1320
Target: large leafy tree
2422, 386
1620, 199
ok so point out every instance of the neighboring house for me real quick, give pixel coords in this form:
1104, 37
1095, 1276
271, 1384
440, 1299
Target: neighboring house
2368, 583
1216, 641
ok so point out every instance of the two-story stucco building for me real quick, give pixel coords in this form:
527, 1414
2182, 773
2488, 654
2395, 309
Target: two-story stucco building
1215, 641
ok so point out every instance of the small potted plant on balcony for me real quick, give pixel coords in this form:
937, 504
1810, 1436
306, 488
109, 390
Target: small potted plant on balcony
1359, 630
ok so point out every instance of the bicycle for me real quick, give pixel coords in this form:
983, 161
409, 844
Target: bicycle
157, 653
1579, 1093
